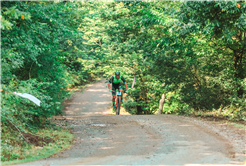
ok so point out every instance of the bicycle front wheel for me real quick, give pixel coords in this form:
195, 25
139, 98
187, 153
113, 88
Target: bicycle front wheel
118, 108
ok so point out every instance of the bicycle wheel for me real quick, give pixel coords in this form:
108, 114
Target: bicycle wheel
118, 108
116, 102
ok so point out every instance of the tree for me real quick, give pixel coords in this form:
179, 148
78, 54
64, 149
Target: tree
224, 23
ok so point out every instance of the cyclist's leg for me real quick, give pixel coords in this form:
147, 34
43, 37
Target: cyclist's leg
114, 96
120, 88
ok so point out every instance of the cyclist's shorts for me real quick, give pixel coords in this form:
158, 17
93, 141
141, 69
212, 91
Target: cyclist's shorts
114, 90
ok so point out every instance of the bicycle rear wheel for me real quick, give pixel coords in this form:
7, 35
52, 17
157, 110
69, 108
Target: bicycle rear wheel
118, 108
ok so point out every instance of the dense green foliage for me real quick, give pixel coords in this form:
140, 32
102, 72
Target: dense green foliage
194, 52
42, 53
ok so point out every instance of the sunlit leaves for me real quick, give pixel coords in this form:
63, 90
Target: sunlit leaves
10, 15
40, 46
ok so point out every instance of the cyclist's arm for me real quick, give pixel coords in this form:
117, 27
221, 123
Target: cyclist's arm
123, 79
109, 82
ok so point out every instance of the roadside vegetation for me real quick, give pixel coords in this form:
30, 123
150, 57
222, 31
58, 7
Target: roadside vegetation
181, 50
45, 143
42, 54
189, 54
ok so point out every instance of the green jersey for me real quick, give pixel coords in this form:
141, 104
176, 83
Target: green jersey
116, 82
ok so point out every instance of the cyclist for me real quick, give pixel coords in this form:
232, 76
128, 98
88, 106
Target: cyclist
115, 80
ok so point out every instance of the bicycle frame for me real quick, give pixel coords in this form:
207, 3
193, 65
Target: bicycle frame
118, 95
117, 102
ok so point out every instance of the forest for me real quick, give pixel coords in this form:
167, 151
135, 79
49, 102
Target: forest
193, 53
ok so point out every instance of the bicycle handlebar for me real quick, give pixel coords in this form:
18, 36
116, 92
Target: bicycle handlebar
121, 91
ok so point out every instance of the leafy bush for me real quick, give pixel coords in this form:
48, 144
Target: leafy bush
174, 43
131, 106
8, 152
42, 53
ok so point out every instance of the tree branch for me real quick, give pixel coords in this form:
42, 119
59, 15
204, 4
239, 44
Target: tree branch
30, 70
18, 130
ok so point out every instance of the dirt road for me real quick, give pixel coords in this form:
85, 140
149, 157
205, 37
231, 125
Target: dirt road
103, 139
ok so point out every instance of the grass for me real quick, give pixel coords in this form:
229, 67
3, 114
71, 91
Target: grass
222, 117
241, 126
63, 139
122, 111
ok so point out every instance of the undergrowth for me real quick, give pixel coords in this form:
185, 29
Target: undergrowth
16, 149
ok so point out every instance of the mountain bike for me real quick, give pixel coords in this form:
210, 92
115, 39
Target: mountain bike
117, 101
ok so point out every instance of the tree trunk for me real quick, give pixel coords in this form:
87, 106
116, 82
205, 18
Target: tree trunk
220, 110
239, 70
139, 110
161, 104
144, 91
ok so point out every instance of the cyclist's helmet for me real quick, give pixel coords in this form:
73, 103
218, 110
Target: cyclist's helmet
117, 73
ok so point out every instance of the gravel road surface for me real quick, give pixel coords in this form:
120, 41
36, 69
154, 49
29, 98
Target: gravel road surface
103, 139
